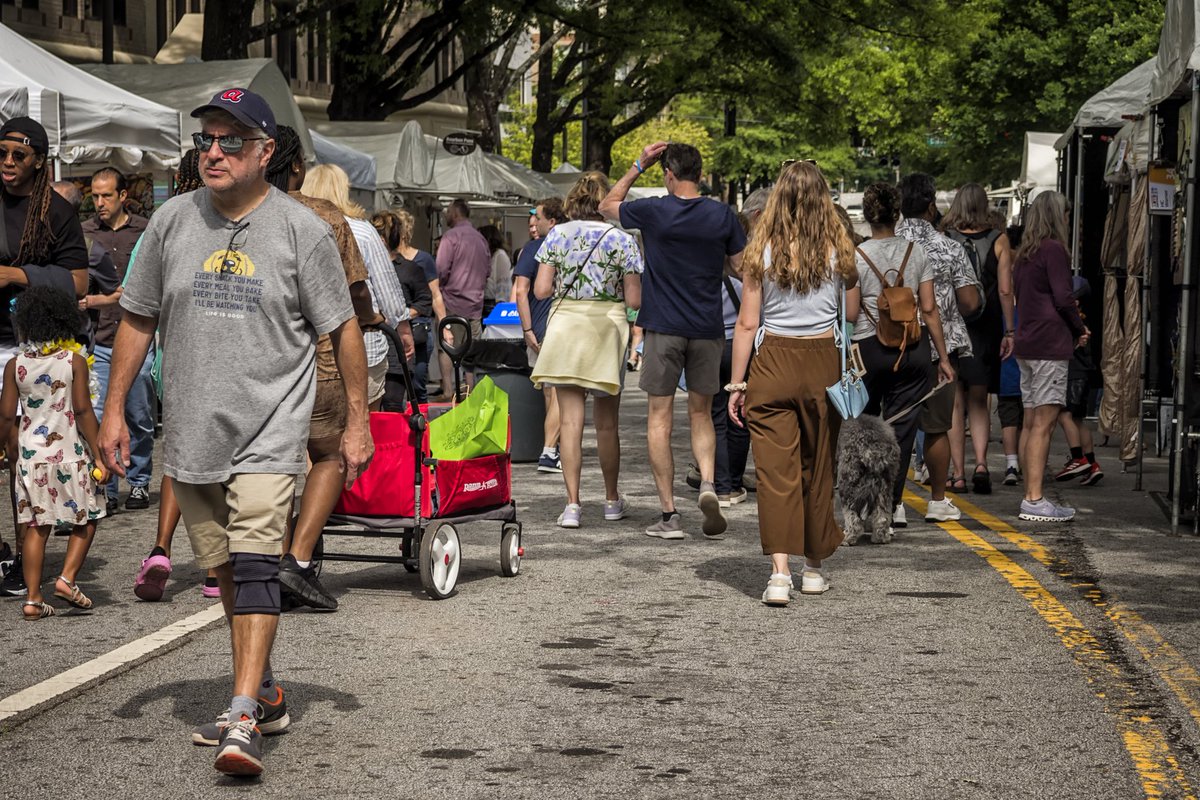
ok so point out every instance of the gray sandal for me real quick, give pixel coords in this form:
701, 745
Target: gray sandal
43, 610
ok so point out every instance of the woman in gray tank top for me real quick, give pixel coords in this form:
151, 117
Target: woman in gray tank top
797, 263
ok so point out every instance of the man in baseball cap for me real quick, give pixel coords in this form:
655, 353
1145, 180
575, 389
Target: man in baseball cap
243, 105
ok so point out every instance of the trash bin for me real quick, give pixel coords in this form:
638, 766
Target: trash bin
506, 363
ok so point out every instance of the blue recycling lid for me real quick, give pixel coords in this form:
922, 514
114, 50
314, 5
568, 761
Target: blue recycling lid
504, 314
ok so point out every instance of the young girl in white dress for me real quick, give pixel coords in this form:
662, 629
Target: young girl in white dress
58, 478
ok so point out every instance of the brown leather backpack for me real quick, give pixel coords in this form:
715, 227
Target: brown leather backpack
898, 323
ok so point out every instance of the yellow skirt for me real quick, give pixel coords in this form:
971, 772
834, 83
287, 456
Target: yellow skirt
584, 346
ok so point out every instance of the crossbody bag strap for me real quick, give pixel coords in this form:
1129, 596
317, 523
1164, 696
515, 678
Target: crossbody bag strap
840, 333
578, 275
733, 296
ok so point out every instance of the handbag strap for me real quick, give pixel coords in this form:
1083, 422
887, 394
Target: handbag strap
733, 295
578, 275
839, 333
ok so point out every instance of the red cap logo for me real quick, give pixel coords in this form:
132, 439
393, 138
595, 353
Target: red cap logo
233, 95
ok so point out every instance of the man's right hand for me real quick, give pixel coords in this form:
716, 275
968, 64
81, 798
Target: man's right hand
114, 441
651, 153
532, 342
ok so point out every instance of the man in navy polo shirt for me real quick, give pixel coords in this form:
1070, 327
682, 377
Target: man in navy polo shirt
687, 238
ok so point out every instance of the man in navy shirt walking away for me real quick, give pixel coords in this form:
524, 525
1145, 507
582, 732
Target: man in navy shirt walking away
687, 238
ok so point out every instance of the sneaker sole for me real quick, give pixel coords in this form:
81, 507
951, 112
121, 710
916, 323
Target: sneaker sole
822, 590
1066, 476
614, 517
777, 602
152, 585
929, 518
672, 535
235, 762
714, 521
1090, 481
1044, 518
550, 470
568, 524
300, 589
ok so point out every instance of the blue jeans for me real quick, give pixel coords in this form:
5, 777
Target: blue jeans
139, 416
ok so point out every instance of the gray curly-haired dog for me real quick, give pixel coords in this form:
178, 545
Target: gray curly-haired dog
867, 459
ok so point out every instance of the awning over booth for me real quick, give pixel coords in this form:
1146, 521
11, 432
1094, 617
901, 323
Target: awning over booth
14, 102
187, 86
1039, 162
1178, 49
88, 120
1107, 108
359, 166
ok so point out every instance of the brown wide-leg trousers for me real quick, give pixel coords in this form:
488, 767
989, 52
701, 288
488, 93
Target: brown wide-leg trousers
793, 431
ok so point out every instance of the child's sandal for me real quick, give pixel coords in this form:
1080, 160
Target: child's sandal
43, 610
75, 597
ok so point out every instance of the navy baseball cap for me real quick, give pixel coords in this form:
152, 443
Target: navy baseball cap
1080, 288
243, 105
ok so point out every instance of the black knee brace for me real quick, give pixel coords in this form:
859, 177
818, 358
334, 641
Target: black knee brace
255, 583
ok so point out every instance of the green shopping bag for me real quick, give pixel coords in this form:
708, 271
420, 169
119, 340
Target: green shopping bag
476, 427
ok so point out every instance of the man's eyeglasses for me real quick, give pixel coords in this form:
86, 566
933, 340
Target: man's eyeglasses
17, 155
231, 262
229, 143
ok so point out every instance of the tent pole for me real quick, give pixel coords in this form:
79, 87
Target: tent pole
1077, 210
1144, 277
1183, 369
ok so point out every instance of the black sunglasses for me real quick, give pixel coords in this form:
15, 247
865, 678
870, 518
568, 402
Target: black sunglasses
18, 156
229, 144
787, 162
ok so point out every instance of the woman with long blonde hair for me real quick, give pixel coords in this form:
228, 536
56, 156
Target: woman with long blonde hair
1049, 328
798, 266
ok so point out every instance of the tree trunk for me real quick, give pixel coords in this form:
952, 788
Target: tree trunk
544, 129
483, 104
359, 87
600, 140
227, 29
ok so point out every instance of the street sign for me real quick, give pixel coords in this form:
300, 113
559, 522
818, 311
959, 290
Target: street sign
460, 143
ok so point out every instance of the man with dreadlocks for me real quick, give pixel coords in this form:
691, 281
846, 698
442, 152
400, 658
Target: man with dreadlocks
323, 485
41, 243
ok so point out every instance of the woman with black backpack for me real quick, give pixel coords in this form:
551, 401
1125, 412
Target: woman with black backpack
893, 339
969, 222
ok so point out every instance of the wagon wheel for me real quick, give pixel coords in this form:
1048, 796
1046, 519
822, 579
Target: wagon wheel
510, 550
441, 556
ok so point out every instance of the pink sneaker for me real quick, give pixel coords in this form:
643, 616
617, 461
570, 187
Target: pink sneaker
210, 589
151, 579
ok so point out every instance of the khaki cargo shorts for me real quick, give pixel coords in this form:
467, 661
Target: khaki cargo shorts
246, 514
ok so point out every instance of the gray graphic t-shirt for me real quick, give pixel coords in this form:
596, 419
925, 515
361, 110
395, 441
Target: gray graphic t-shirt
239, 307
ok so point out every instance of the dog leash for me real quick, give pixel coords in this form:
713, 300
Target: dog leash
892, 419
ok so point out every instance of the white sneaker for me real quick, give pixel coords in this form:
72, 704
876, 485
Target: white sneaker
779, 590
921, 473
813, 581
942, 511
899, 520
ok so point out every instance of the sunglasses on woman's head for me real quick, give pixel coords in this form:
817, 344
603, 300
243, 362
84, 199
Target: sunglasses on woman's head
789, 161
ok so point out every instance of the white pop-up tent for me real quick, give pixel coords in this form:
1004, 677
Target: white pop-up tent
88, 120
360, 167
1125, 97
186, 86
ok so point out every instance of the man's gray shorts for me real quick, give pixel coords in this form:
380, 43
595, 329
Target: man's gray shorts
1043, 383
666, 357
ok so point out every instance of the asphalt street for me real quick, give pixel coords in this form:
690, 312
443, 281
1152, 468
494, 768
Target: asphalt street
988, 659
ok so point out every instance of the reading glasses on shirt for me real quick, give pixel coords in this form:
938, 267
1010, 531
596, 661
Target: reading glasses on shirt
230, 143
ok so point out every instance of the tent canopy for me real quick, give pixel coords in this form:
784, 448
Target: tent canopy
359, 166
1039, 163
184, 87
1107, 108
1178, 49
88, 120
409, 160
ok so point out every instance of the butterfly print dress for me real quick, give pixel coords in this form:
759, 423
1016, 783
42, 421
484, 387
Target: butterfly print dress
54, 484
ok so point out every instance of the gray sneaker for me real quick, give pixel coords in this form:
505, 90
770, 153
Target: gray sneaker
241, 749
710, 505
1045, 511
272, 716
671, 529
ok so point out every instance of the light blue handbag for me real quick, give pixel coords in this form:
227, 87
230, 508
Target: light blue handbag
849, 395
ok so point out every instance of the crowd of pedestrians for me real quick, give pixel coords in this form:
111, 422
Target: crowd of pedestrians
248, 307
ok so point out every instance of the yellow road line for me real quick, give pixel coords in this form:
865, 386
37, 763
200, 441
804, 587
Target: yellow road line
1157, 767
1180, 676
